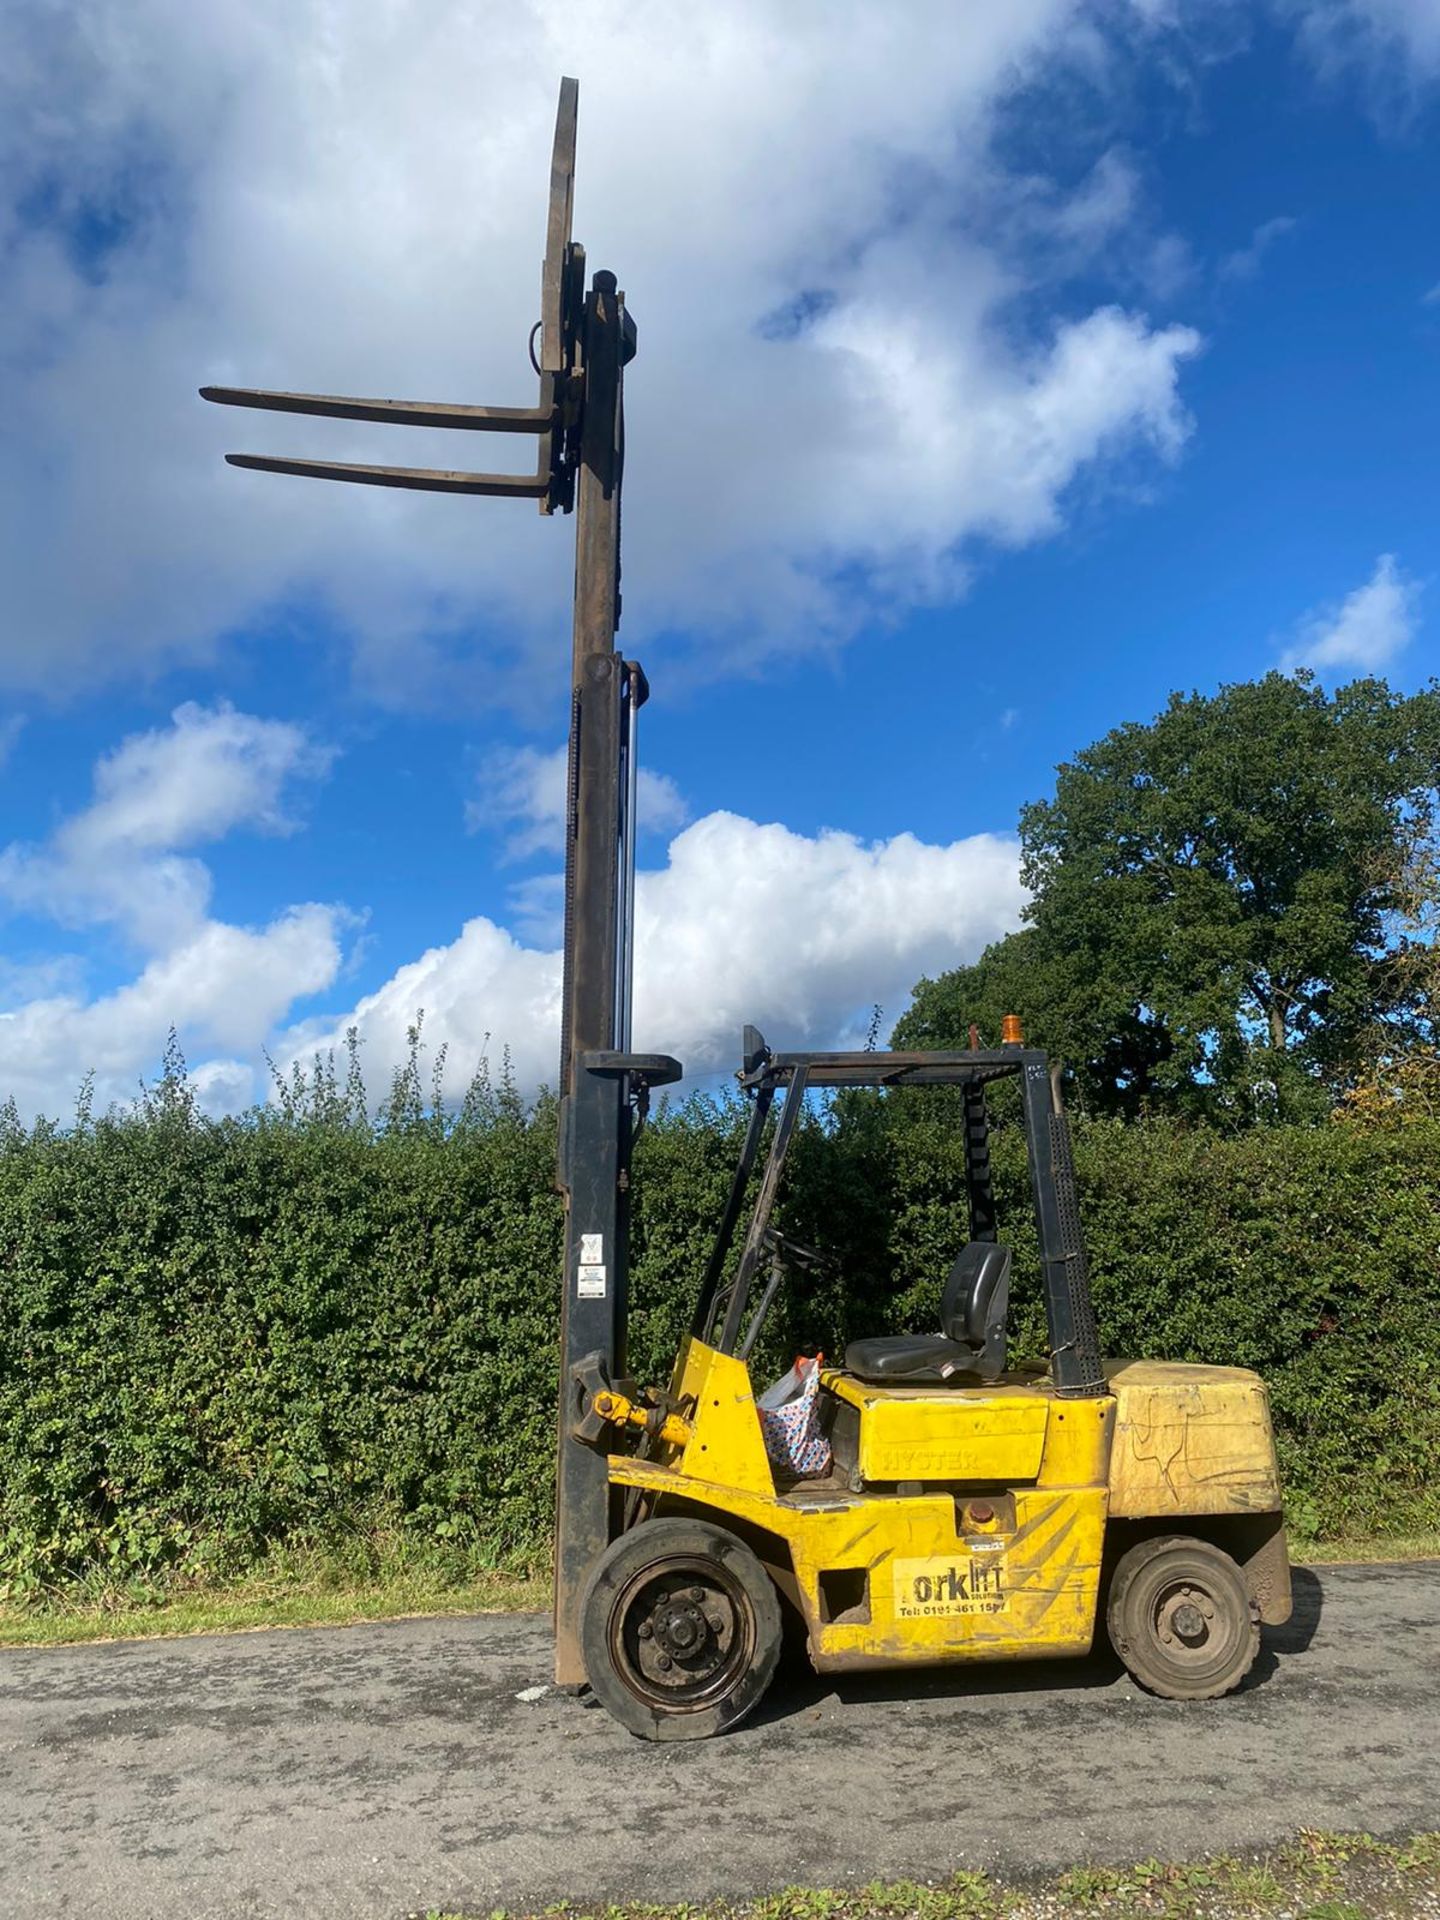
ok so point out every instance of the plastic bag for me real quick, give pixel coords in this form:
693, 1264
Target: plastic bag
790, 1420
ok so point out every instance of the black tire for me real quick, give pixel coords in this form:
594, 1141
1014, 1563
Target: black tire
681, 1628
1181, 1618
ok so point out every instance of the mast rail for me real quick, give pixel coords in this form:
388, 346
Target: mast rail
576, 434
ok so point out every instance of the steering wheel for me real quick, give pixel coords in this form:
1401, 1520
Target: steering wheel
794, 1253
785, 1255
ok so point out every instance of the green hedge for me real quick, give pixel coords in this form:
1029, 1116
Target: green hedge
215, 1335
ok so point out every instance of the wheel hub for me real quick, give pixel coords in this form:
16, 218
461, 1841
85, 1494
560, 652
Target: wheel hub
681, 1635
1184, 1616
1189, 1621
681, 1630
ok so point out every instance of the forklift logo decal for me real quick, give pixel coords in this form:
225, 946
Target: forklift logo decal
930, 1589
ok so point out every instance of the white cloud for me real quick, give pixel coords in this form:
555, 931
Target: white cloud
1105, 203
745, 922
1247, 261
1367, 630
522, 798
225, 986
117, 863
1399, 34
1387, 50
210, 771
223, 1086
243, 192
1103, 226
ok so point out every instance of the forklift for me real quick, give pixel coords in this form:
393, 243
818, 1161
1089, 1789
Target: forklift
971, 1510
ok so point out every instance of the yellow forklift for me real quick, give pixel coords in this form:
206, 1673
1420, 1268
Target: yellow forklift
971, 1511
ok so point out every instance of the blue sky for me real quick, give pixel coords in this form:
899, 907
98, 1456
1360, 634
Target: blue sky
1049, 364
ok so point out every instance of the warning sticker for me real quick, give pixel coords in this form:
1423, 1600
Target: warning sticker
950, 1584
592, 1249
590, 1282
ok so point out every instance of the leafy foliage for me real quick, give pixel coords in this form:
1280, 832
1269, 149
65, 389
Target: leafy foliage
302, 1325
1399, 1081
1210, 929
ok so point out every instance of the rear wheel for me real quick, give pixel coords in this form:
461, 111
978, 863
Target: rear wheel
1181, 1619
680, 1628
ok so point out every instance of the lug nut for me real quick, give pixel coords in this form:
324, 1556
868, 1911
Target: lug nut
697, 1593
646, 1630
663, 1663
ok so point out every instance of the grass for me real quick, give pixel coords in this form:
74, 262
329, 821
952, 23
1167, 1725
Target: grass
379, 1579
295, 1588
1318, 1876
1367, 1549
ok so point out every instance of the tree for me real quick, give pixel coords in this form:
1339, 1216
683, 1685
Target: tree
1398, 1083
1112, 1054
1213, 894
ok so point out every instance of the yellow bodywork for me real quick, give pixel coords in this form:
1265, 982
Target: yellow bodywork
1190, 1440
917, 1433
972, 1522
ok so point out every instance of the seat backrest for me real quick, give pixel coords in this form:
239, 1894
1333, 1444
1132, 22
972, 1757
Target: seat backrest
977, 1293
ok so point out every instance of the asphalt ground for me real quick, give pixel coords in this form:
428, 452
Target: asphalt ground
370, 1772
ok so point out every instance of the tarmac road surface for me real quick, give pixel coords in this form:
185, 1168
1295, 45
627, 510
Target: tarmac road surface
366, 1773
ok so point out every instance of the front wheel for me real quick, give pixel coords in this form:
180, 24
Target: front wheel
680, 1627
1181, 1619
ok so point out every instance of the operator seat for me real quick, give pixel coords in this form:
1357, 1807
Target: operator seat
973, 1311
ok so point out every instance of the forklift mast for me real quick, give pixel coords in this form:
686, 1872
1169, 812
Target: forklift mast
586, 338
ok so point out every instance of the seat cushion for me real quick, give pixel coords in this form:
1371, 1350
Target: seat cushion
910, 1358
